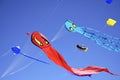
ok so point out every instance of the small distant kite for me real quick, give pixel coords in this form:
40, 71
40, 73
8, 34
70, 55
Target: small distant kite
109, 1
28, 33
17, 50
111, 22
41, 41
83, 48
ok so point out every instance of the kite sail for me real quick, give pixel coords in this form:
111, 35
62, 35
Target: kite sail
108, 42
41, 41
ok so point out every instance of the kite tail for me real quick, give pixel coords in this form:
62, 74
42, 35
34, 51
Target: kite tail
88, 71
34, 58
59, 60
106, 41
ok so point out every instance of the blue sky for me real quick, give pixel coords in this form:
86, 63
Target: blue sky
48, 16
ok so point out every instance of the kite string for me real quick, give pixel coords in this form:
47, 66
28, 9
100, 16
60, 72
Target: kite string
58, 34
21, 68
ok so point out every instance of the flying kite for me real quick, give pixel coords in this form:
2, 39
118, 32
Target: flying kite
111, 22
17, 50
41, 41
83, 48
109, 1
108, 42
28, 33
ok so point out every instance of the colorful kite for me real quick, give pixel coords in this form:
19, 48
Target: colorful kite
41, 41
83, 48
106, 41
16, 50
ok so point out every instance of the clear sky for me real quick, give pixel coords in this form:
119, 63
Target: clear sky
48, 17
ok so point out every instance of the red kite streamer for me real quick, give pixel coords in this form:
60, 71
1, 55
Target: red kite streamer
41, 41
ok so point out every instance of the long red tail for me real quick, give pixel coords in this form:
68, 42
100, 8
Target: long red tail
59, 60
